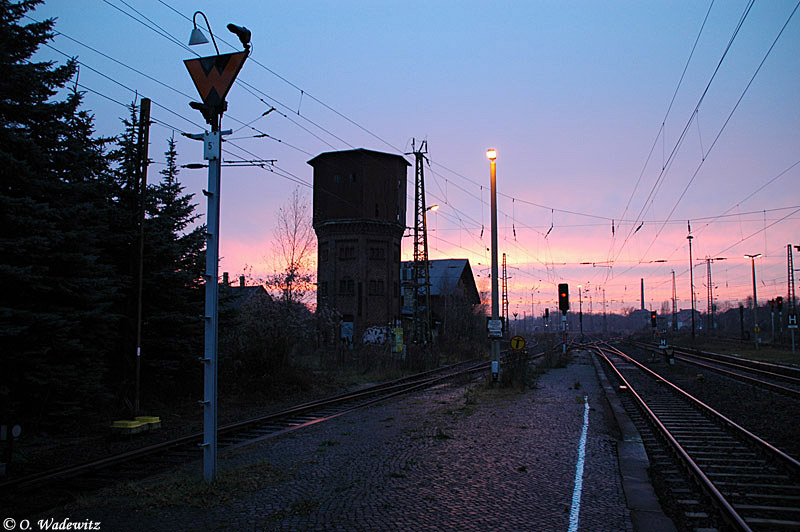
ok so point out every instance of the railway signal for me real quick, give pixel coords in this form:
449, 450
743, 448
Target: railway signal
653, 319
563, 298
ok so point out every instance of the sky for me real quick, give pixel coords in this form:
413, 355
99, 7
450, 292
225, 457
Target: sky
618, 126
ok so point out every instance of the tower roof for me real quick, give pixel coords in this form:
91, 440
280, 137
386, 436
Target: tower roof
360, 151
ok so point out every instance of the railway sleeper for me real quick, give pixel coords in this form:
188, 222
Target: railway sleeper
793, 499
771, 524
780, 488
784, 511
747, 476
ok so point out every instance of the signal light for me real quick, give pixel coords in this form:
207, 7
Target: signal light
547, 313
779, 300
653, 317
563, 297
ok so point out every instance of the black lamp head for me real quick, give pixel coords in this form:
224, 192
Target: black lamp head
241, 32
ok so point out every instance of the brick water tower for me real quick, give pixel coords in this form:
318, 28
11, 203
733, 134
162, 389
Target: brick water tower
359, 219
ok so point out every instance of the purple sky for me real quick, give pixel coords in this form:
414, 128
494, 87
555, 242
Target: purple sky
572, 94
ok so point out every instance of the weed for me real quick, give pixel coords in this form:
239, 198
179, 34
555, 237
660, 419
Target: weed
188, 489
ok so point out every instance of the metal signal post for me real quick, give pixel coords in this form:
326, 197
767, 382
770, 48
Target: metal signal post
213, 77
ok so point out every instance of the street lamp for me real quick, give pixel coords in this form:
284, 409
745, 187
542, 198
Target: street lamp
755, 300
491, 154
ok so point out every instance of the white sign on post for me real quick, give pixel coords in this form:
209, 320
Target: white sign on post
792, 321
495, 328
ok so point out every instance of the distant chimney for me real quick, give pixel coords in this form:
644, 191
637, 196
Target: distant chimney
642, 293
241, 280
225, 279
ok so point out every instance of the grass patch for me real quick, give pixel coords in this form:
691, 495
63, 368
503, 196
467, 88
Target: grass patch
188, 489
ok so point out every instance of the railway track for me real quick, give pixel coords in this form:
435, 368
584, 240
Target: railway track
712, 472
774, 377
58, 486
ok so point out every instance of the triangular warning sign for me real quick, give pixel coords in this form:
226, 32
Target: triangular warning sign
213, 76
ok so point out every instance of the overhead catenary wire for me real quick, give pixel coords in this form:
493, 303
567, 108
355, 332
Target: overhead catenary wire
515, 225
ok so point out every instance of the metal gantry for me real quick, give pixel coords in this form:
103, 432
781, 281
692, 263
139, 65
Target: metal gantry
420, 275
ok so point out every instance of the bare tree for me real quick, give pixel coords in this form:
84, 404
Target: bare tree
294, 245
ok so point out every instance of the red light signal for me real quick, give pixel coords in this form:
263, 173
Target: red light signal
563, 297
653, 319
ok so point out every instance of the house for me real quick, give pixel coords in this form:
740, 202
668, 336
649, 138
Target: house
453, 291
236, 298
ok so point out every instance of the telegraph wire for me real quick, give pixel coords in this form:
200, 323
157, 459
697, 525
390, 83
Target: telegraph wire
504, 195
725, 124
665, 168
662, 130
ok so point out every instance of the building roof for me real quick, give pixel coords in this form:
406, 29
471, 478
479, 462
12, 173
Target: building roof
446, 274
360, 151
236, 297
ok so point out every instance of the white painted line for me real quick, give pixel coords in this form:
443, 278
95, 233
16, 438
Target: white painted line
576, 493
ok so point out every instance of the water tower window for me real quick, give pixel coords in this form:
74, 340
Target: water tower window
346, 287
323, 289
353, 178
337, 178
376, 287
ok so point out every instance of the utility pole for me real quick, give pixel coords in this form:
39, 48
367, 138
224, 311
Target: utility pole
505, 295
580, 309
691, 276
674, 303
791, 311
142, 163
709, 261
756, 329
420, 276
605, 325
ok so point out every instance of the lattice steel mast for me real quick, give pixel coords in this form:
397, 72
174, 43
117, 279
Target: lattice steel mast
420, 276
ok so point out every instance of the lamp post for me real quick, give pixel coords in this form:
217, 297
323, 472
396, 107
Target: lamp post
213, 76
755, 299
491, 153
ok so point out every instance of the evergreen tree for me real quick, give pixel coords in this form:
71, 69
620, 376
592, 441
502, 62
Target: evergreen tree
55, 284
123, 194
174, 264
